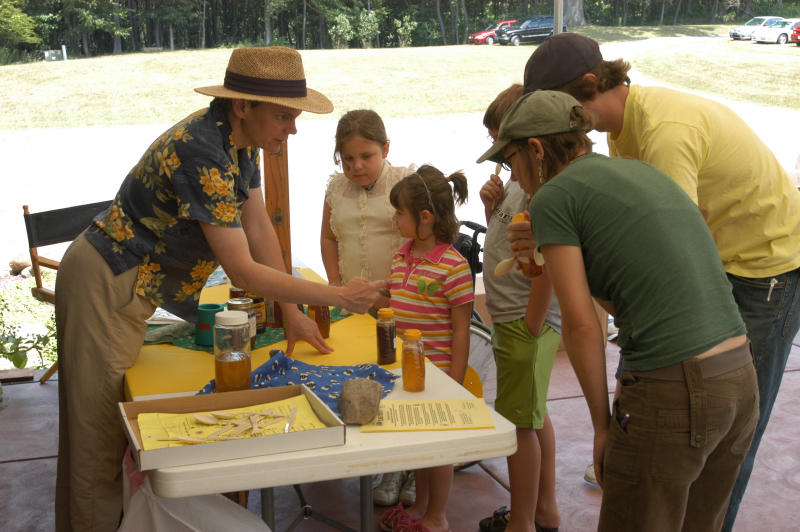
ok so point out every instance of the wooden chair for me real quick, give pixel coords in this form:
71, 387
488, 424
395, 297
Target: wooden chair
54, 227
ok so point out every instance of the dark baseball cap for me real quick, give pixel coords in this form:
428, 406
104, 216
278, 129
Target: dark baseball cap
559, 60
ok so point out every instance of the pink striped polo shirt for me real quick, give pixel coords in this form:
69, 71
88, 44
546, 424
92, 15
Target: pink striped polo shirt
424, 289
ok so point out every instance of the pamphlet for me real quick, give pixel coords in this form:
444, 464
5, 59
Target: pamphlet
430, 414
161, 430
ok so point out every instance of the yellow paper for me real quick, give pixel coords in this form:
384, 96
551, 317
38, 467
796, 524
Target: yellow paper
159, 429
430, 414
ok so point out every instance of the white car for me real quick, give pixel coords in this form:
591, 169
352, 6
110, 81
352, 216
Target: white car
778, 32
745, 31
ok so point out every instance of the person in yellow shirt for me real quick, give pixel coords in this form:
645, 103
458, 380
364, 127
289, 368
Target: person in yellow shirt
747, 199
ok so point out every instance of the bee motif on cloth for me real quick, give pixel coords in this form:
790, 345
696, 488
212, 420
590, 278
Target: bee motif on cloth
326, 381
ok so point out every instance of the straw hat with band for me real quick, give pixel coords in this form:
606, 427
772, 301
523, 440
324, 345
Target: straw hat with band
560, 59
271, 74
535, 114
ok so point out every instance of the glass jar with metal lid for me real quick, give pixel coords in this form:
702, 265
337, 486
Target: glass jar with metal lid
245, 304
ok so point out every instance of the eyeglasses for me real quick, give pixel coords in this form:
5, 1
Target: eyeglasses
506, 163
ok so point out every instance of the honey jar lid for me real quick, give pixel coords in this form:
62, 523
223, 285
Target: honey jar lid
385, 313
236, 303
412, 334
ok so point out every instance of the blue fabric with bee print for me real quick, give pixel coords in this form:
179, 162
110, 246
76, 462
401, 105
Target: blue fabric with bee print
325, 381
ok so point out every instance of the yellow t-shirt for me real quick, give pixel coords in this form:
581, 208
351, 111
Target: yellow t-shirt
744, 194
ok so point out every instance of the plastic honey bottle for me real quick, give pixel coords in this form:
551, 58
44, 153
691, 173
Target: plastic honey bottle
385, 332
413, 361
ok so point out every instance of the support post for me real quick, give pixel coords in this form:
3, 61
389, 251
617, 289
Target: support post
276, 198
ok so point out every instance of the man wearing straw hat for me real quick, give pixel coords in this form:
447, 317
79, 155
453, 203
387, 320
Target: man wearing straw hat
192, 202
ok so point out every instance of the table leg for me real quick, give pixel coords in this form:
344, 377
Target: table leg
268, 507
367, 520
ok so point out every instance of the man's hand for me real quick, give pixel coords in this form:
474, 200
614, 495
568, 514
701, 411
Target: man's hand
360, 295
491, 195
298, 326
600, 437
383, 301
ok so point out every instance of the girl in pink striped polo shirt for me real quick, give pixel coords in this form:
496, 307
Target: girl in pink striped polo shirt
431, 290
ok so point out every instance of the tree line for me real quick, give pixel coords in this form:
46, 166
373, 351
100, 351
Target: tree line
96, 27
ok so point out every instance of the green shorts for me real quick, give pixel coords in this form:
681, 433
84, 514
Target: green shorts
524, 363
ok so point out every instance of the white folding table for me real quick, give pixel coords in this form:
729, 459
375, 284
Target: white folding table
361, 456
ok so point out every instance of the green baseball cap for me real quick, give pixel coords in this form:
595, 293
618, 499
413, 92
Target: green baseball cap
535, 114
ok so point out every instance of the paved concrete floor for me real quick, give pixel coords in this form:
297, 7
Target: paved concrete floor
28, 443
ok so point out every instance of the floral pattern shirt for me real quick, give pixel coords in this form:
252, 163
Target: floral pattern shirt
192, 173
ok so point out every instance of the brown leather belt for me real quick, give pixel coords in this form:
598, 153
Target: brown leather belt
711, 366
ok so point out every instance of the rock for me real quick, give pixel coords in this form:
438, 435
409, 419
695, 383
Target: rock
19, 263
359, 401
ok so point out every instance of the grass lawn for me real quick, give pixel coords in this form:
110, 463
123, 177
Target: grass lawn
156, 88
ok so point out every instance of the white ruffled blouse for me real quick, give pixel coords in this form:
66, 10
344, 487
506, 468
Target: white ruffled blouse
361, 220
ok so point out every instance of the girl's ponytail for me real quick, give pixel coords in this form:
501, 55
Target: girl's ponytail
459, 182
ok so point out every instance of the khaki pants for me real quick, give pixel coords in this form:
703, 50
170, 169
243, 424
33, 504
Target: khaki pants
100, 329
674, 449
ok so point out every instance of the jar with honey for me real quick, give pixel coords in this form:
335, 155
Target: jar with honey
322, 315
413, 361
245, 304
274, 314
260, 309
231, 351
385, 332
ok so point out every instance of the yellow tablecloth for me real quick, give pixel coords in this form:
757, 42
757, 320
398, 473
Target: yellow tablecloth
165, 368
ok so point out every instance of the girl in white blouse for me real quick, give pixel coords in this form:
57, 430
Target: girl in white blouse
358, 238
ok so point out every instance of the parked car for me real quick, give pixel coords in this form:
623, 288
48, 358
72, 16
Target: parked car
795, 36
533, 29
488, 35
778, 32
745, 31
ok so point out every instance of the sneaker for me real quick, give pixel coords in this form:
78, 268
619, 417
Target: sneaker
589, 476
497, 522
408, 493
388, 491
612, 330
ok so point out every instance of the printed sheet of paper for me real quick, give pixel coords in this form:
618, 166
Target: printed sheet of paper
430, 414
160, 430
